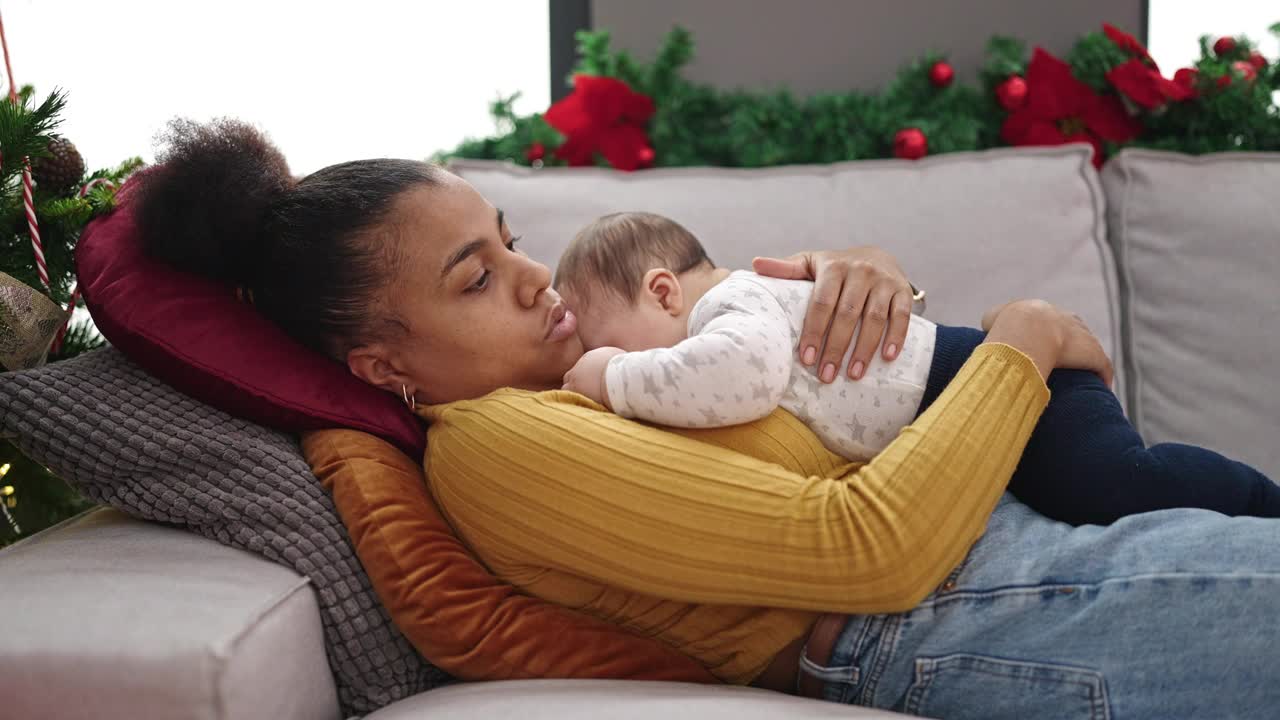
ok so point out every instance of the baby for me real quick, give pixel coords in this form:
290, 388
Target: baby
674, 340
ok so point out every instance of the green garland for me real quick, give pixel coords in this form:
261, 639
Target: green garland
695, 124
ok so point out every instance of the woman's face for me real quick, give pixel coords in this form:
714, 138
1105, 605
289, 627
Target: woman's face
480, 314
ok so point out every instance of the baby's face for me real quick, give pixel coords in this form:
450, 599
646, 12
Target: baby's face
605, 320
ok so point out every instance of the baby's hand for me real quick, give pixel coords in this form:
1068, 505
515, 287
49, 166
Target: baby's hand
586, 377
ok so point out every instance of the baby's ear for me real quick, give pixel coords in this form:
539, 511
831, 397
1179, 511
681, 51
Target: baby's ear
663, 287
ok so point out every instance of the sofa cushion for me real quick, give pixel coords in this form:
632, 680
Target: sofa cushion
111, 617
124, 439
468, 622
192, 333
1198, 243
617, 700
973, 229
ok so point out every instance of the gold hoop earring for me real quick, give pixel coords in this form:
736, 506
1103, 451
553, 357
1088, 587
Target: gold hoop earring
411, 402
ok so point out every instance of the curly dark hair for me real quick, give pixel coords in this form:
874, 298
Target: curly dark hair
317, 254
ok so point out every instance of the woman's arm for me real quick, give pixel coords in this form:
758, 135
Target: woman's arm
548, 480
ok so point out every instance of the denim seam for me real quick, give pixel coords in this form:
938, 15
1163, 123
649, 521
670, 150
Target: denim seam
860, 641
926, 669
1017, 590
880, 661
859, 646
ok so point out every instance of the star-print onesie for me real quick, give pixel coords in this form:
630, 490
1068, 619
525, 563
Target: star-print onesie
739, 363
1084, 463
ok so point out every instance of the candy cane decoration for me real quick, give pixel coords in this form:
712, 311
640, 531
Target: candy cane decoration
62, 331
104, 182
29, 207
8, 69
28, 202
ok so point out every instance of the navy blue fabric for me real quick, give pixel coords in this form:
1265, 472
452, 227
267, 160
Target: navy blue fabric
1085, 464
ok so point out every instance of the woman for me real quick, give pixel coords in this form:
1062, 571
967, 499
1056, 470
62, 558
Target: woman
910, 583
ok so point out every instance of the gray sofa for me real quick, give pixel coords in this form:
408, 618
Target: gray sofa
1170, 259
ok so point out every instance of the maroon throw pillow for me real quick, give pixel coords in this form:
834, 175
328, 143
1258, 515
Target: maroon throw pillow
194, 334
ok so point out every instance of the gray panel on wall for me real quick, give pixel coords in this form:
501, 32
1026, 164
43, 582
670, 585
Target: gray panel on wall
830, 45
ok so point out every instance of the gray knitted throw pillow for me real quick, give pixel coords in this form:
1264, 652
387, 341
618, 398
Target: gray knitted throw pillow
127, 440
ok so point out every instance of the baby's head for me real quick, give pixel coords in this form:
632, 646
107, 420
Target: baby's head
631, 278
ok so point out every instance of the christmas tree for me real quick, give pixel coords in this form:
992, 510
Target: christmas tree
63, 199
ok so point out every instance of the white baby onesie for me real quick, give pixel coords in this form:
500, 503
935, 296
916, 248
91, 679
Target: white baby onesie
740, 362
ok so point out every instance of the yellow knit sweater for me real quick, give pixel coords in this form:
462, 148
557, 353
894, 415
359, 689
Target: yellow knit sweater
727, 543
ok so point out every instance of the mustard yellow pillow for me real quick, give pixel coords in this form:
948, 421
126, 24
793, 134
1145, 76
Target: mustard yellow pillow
460, 617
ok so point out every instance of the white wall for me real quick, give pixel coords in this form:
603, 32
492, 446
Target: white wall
1176, 26
330, 81
334, 81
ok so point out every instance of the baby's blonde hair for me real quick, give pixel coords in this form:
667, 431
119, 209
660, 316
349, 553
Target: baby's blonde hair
615, 251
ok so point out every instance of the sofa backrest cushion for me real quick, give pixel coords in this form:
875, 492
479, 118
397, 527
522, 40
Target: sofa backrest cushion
1198, 245
973, 229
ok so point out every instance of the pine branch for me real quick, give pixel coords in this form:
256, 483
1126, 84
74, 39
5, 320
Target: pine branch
119, 173
81, 337
594, 55
664, 74
24, 132
1006, 56
1092, 57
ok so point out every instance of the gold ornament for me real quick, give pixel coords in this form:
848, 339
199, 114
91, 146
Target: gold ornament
28, 322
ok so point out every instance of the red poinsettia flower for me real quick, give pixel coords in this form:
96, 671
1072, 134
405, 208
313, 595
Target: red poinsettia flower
1145, 85
1128, 43
1061, 109
1139, 79
602, 115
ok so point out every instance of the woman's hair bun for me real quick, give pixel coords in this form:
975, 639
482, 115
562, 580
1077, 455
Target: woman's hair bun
201, 209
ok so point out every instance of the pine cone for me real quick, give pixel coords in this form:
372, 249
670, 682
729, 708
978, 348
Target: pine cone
62, 170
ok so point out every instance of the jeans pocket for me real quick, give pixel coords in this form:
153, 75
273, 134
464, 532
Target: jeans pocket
982, 687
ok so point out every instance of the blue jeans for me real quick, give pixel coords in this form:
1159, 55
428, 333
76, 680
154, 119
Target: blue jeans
1170, 614
1086, 465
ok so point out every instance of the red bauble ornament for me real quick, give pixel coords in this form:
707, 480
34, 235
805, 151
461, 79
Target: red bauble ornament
1224, 81
645, 156
910, 144
1224, 46
536, 151
1012, 93
941, 74
1186, 77
1246, 70
1257, 60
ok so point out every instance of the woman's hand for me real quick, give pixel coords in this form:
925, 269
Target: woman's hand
1050, 337
863, 283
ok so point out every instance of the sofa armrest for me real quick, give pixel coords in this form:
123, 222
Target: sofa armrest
108, 616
